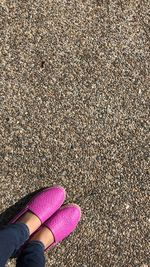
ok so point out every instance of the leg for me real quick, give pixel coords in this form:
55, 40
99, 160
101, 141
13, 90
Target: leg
11, 238
32, 255
59, 226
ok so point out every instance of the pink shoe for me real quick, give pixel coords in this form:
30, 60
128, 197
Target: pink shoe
44, 204
63, 222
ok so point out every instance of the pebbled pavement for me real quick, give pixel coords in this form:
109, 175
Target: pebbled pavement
74, 111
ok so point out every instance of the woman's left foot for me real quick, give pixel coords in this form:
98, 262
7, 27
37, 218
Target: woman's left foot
41, 207
31, 220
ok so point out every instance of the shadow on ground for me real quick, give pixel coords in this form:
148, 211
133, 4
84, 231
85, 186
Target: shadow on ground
9, 213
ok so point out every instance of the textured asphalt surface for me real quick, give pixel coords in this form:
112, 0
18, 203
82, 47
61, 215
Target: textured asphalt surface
74, 111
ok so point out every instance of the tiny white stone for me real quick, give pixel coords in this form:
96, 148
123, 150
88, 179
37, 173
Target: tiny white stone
140, 91
127, 206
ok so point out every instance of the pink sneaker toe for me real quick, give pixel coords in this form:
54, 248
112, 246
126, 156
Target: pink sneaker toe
64, 222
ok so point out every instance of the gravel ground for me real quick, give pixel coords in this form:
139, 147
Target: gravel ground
74, 111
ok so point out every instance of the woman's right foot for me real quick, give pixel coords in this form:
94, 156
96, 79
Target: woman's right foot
59, 226
45, 236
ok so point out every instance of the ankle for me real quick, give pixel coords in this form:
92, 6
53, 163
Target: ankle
31, 221
44, 236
